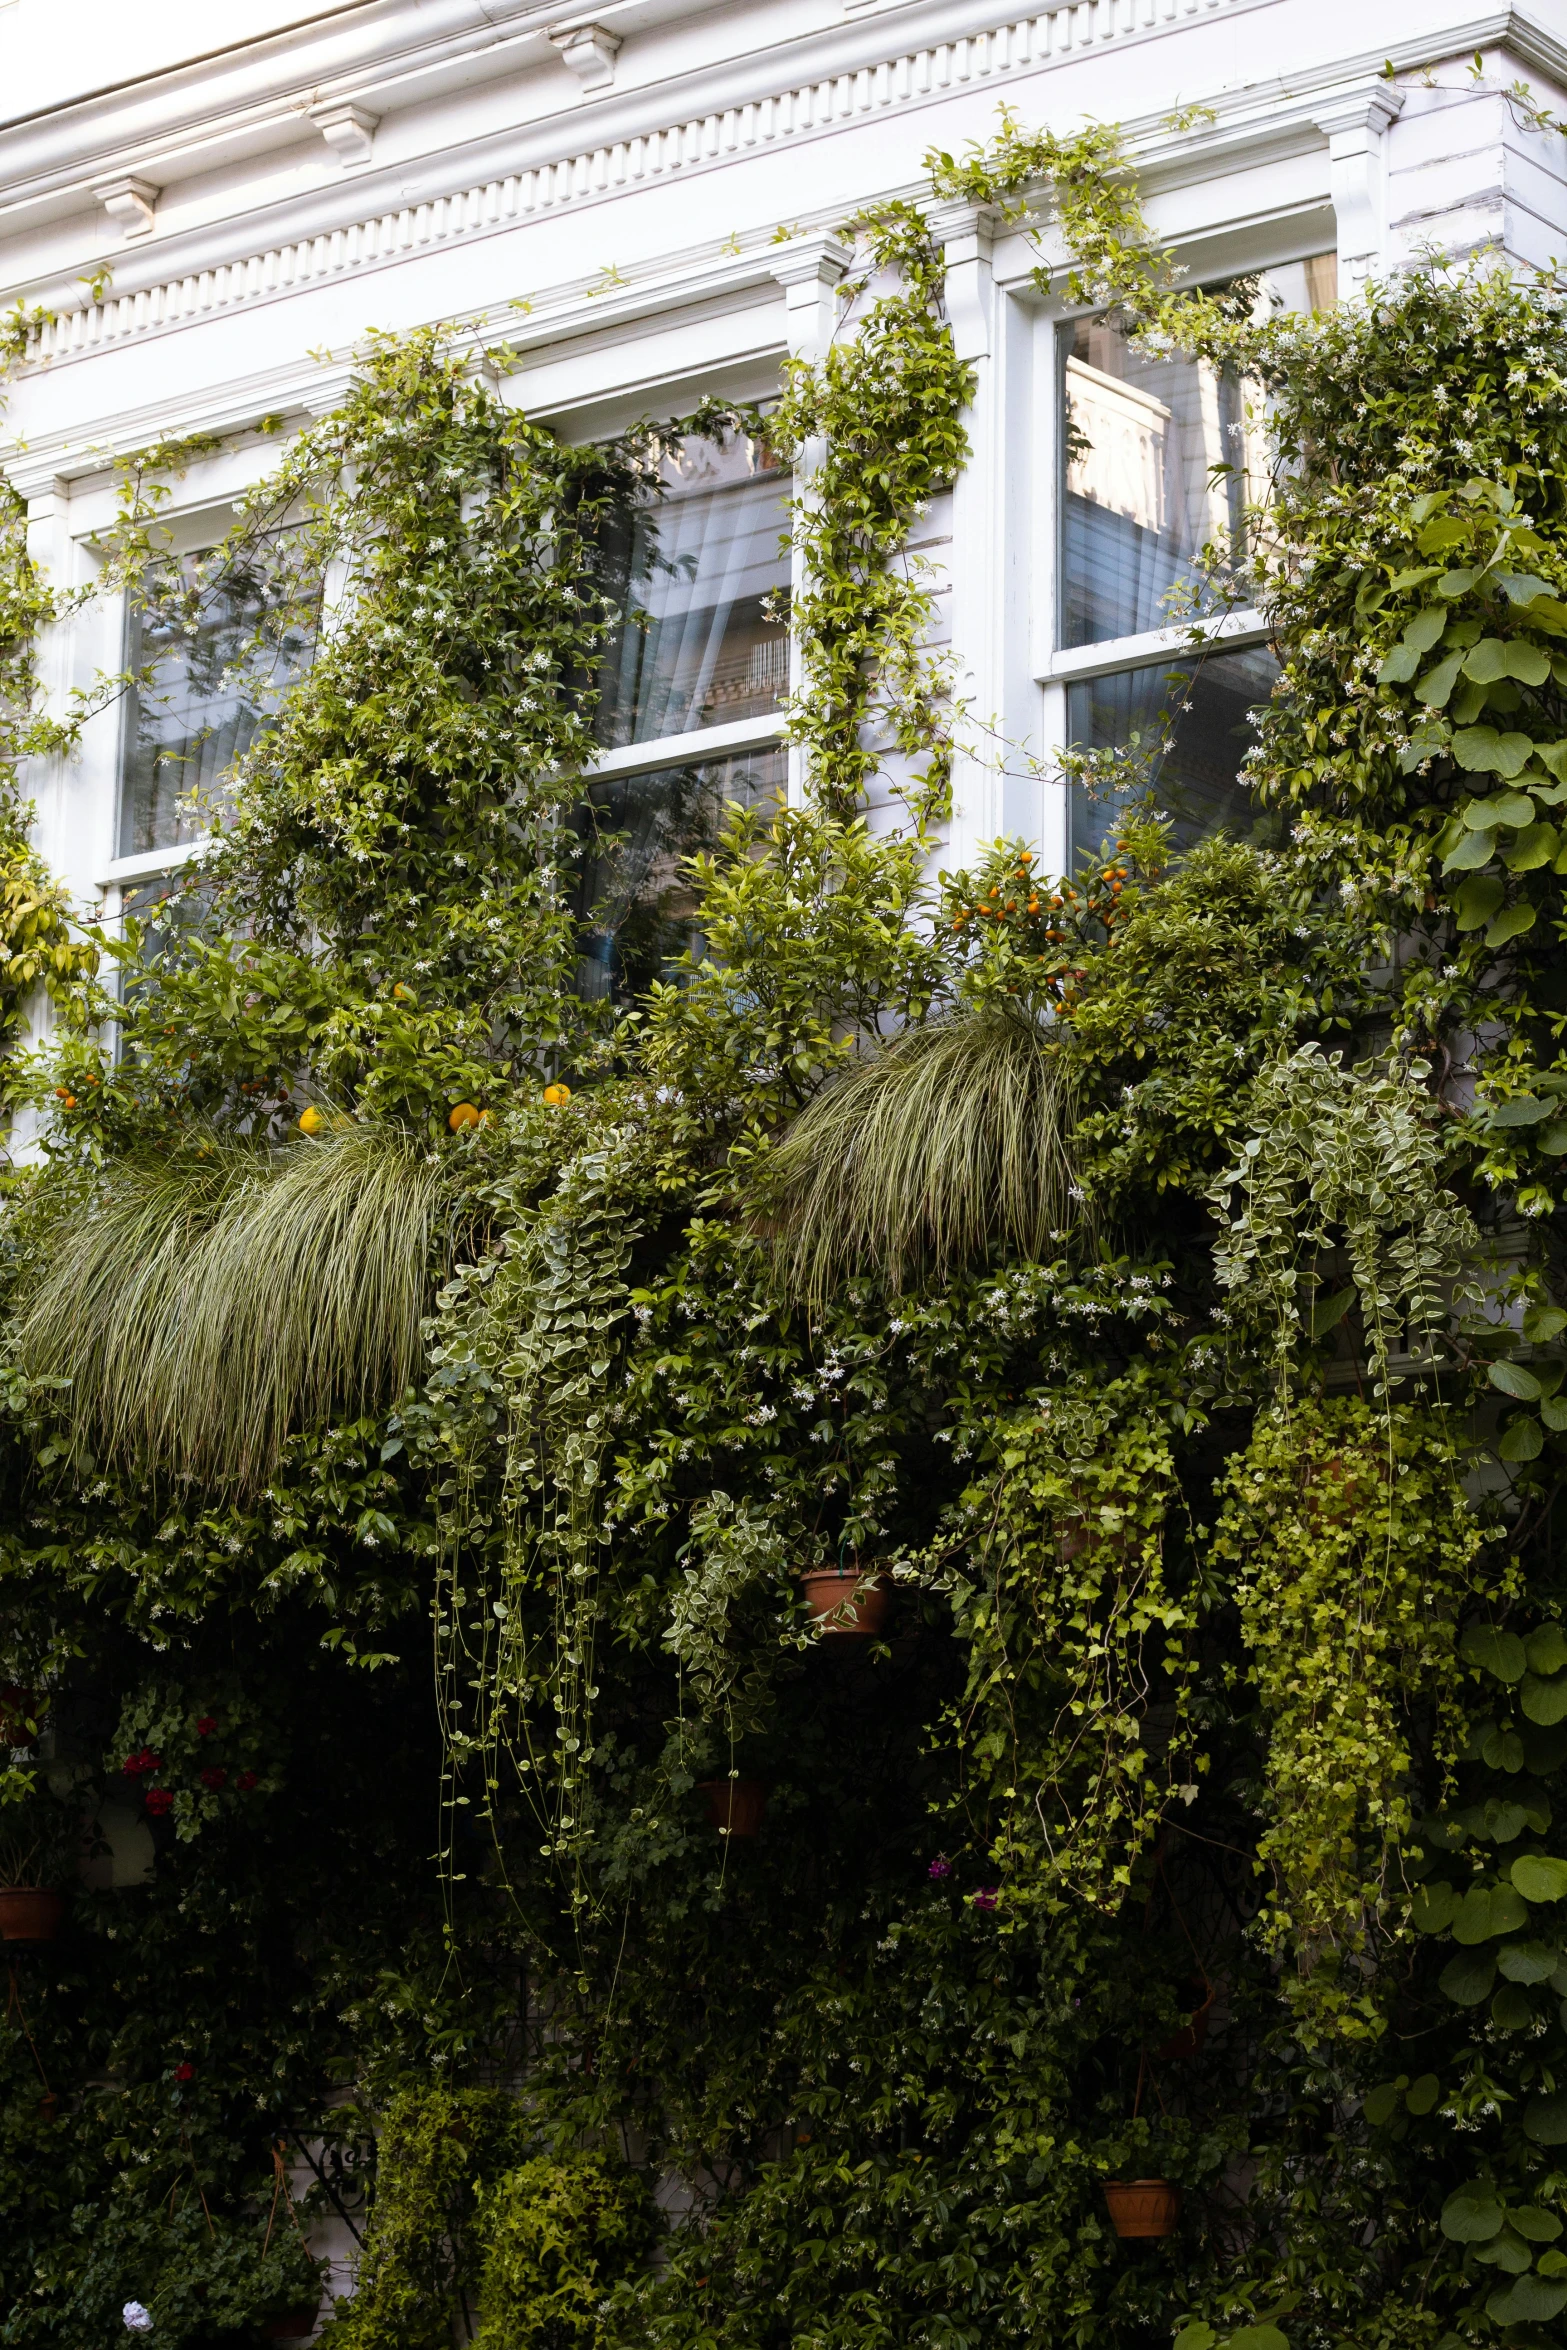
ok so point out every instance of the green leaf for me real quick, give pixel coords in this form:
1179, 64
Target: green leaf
1257, 2338
1470, 852
1330, 1310
1477, 900
1527, 662
1545, 2118
1540, 1325
1534, 2225
1553, 1138
1501, 1654
1521, 1441
1472, 2215
1437, 684
1486, 1911
1486, 662
1536, 845
1469, 1978
1424, 2094
1527, 2301
1481, 750
1399, 666
1195, 2336
1433, 1906
1520, 587
1544, 1701
1528, 1962
1546, 1649
1553, 1411
1520, 1109
1509, 925
1380, 2104
1512, 2010
1427, 629
1539, 1876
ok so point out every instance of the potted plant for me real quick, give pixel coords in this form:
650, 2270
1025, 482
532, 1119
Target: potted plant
1141, 2208
846, 1602
735, 1806
40, 1840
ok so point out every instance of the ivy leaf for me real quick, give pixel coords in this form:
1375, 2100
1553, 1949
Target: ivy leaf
1511, 1377
1539, 1876
1544, 1701
1501, 1654
1472, 2215
1511, 924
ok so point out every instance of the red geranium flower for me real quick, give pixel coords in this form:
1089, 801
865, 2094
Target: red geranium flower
143, 1760
159, 1800
214, 1778
245, 1782
185, 2071
206, 1724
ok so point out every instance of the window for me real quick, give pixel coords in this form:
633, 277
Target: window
1195, 721
637, 905
691, 694
212, 662
1159, 459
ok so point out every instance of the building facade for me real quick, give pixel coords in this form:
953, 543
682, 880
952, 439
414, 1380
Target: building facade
644, 208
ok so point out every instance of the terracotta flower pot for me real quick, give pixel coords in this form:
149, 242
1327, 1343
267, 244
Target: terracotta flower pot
1143, 2207
735, 1806
29, 1914
826, 1590
1189, 2039
294, 2327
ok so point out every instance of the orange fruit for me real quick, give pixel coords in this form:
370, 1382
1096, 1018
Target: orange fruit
463, 1115
310, 1120
557, 1096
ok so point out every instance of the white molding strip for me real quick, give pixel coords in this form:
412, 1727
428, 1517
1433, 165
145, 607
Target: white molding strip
1232, 631
1017, 45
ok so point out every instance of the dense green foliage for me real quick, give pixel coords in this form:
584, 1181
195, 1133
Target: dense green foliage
1144, 1281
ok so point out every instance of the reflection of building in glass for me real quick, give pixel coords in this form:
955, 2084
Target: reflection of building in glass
1194, 723
697, 571
636, 900
1155, 471
212, 660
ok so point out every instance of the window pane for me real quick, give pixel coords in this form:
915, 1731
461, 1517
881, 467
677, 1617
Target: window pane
636, 903
1141, 499
696, 648
1208, 706
219, 658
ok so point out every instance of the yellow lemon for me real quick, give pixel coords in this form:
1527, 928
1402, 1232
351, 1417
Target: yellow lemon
557, 1095
463, 1115
311, 1120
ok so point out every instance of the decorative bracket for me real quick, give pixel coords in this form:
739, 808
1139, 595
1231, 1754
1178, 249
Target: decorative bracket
1354, 126
129, 202
588, 51
810, 270
347, 129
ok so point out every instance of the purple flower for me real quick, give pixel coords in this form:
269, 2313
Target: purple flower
939, 1868
985, 1898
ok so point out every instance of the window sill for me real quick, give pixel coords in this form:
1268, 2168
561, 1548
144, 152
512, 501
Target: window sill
1234, 631
121, 872
688, 750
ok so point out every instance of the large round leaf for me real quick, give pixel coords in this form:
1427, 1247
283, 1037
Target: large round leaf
1432, 1907
1258, 2338
1539, 1876
1545, 2118
1540, 2227
1547, 1649
1528, 1962
1498, 1653
1544, 1701
1511, 1377
1473, 2215
1468, 1978
1527, 2301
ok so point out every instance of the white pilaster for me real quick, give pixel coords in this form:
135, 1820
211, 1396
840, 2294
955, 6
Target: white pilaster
810, 271
979, 535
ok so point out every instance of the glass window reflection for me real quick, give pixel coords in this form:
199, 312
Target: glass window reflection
635, 899
212, 660
697, 570
1194, 722
1155, 470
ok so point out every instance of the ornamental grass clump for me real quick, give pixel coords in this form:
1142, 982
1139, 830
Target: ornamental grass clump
923, 1156
214, 1299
